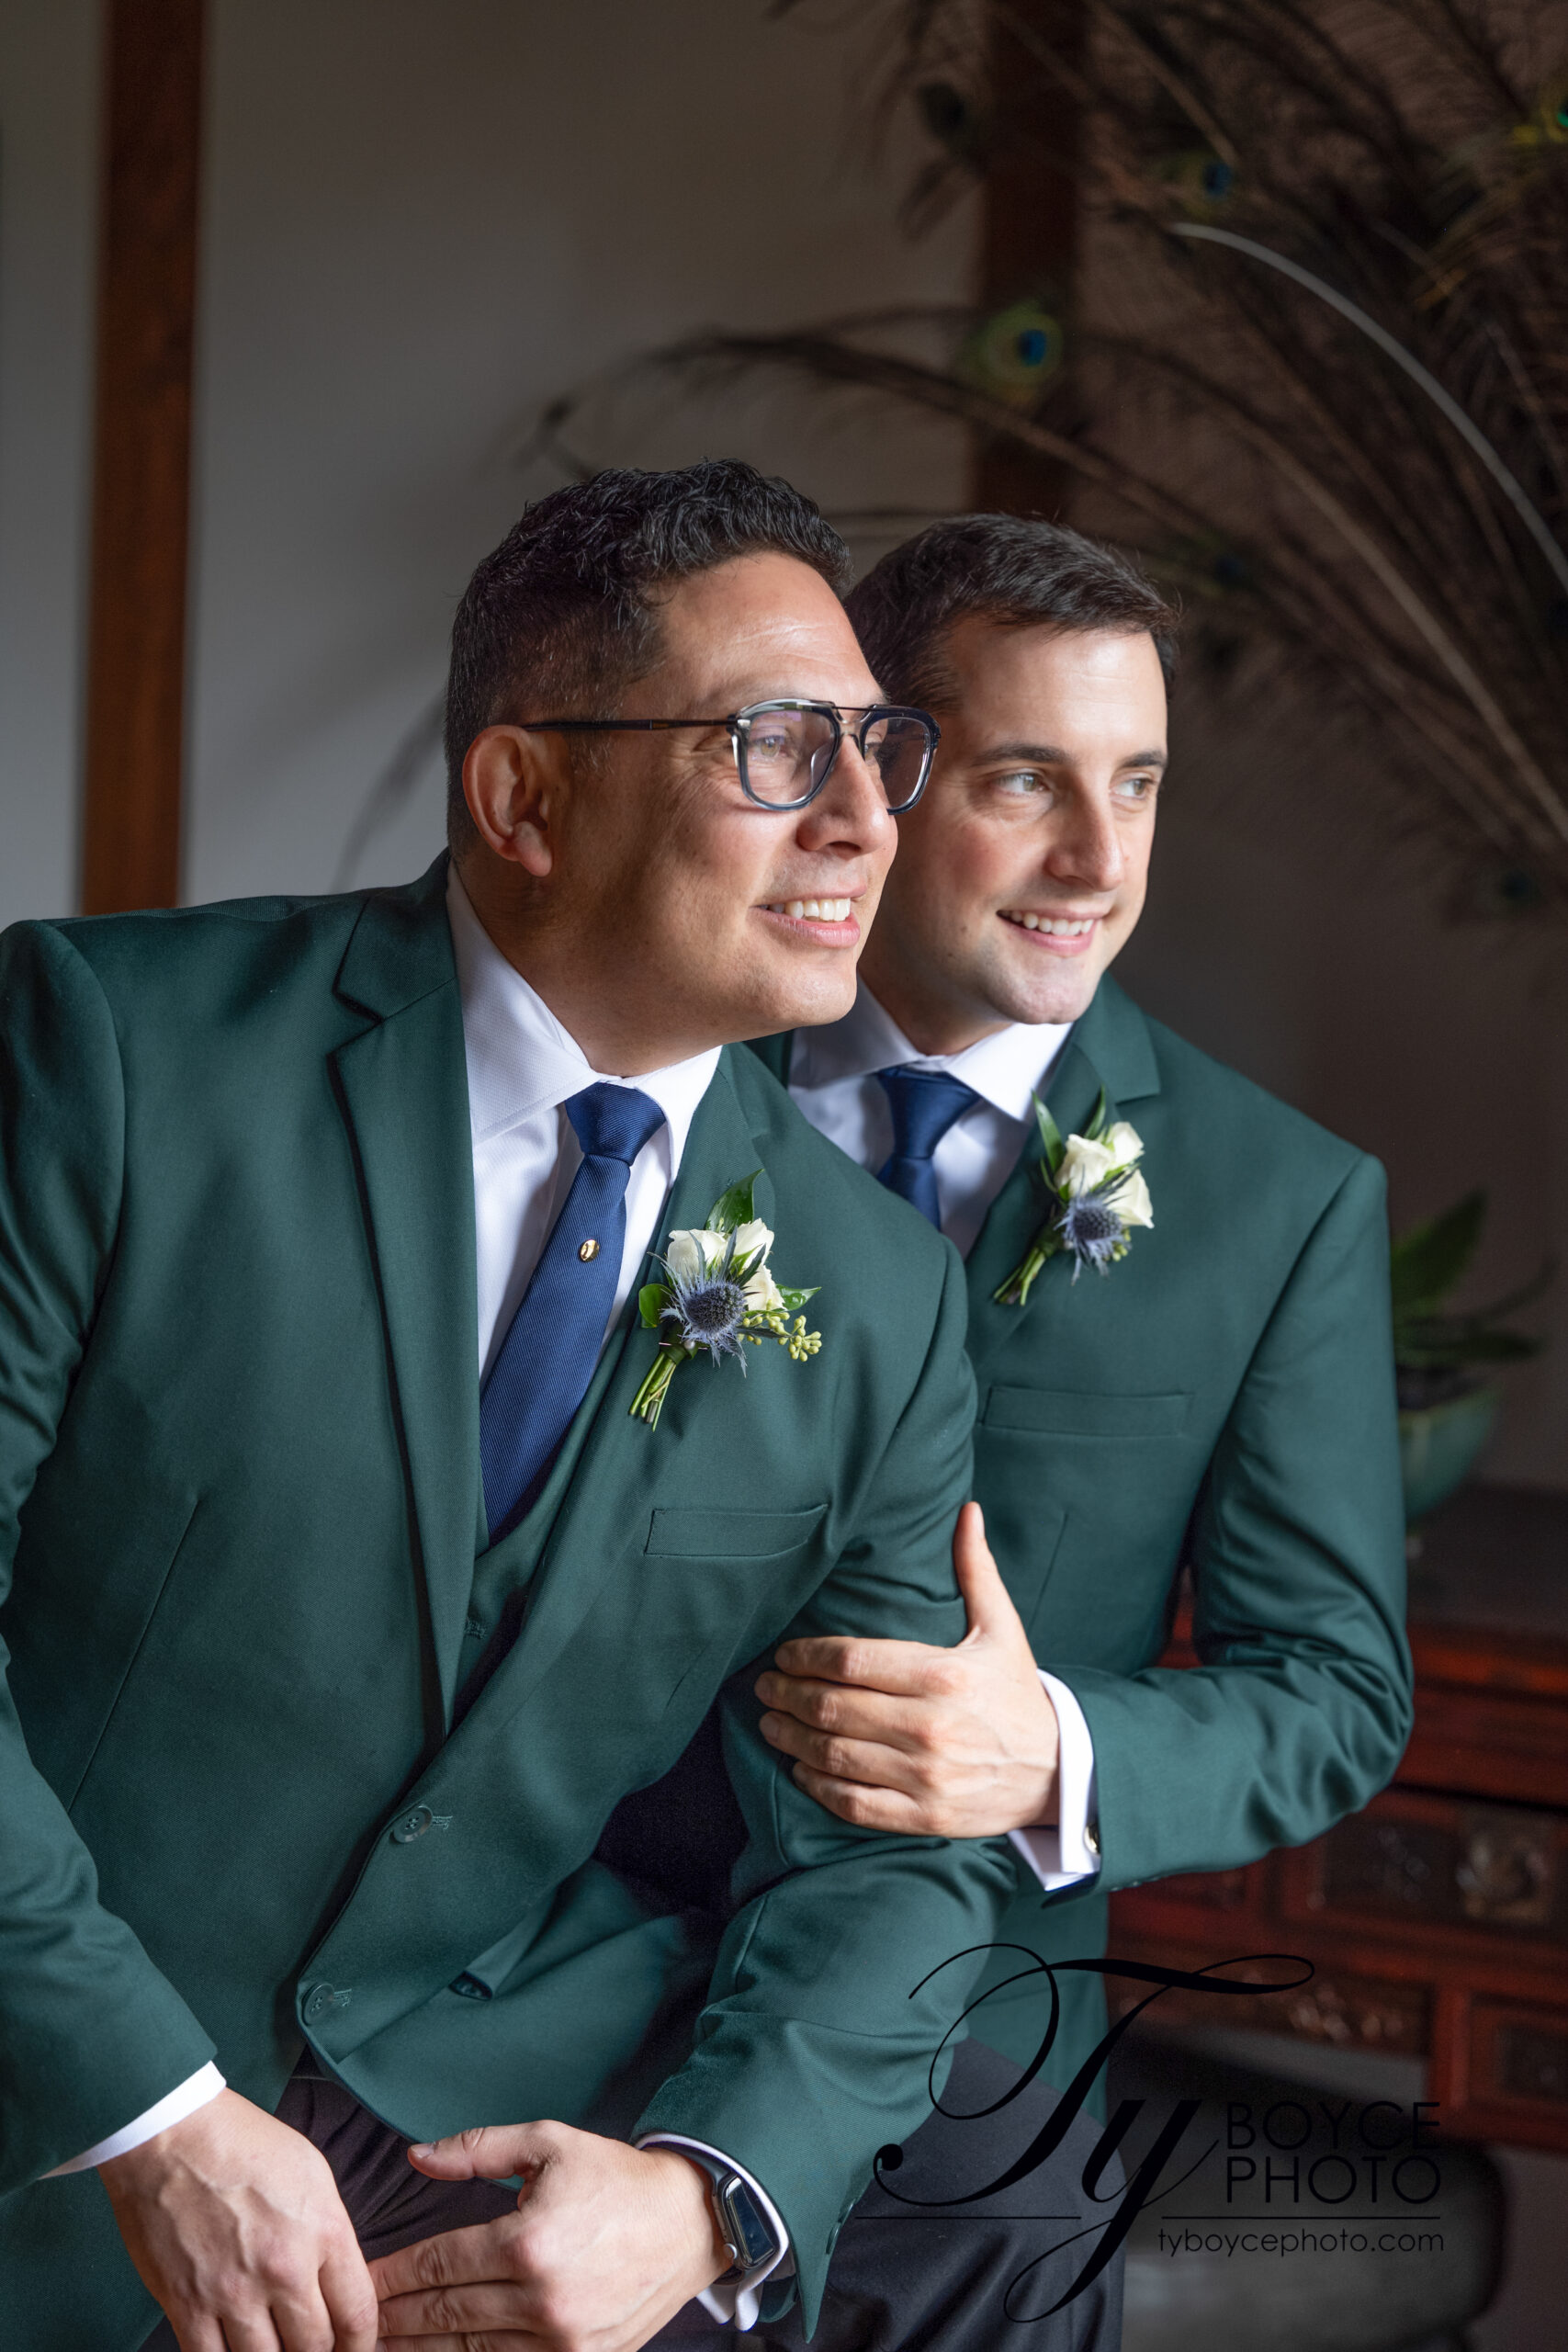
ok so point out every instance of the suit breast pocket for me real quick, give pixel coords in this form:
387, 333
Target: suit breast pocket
729, 1576
1072, 1412
1109, 1478
680, 1534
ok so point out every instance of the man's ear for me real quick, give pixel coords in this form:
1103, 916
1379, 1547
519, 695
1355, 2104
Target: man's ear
515, 785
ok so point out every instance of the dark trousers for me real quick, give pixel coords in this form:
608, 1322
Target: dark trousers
964, 2278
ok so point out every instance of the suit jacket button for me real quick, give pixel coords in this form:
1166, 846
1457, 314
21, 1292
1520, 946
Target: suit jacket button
412, 1824
322, 2000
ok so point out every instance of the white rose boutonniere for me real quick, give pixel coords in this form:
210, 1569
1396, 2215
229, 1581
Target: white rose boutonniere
1097, 1193
719, 1294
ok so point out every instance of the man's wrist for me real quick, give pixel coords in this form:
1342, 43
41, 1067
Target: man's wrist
733, 2296
706, 2231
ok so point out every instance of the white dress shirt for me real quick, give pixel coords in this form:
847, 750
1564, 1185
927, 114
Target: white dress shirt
523, 1067
833, 1080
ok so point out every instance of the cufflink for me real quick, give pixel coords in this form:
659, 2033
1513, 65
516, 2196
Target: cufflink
1091, 1836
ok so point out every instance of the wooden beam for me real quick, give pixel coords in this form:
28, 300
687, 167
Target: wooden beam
135, 721
1033, 211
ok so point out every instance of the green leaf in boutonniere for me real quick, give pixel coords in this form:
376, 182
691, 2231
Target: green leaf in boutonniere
1096, 1193
718, 1296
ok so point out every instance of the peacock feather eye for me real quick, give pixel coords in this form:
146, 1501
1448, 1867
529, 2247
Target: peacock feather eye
1201, 182
1014, 354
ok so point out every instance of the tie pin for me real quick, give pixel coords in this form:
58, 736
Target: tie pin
586, 1249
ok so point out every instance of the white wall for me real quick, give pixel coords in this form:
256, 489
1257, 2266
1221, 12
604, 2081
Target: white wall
48, 219
421, 222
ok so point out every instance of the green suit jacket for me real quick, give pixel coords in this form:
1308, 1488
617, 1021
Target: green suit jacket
1223, 1397
239, 1511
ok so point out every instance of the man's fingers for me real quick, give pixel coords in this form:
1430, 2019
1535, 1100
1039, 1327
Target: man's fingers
867, 1808
200, 2335
901, 1670
509, 2337
845, 1714
349, 2294
985, 1597
457, 2259
456, 2312
257, 2333
303, 2323
490, 2152
494, 2339
867, 1762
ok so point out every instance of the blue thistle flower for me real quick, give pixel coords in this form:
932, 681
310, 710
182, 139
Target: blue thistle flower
1091, 1229
707, 1311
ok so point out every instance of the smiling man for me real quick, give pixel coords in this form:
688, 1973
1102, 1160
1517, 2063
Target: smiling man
346, 1592
1211, 1390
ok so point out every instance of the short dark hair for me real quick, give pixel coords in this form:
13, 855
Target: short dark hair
1006, 569
565, 613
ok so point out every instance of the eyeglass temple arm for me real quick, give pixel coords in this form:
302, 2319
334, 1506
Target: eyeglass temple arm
613, 726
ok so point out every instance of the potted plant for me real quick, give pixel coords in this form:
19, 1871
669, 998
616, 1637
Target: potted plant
1447, 1402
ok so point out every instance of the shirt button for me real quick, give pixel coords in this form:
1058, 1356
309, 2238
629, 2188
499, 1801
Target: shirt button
412, 1824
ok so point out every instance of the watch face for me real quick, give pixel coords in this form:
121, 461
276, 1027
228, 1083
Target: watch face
750, 2232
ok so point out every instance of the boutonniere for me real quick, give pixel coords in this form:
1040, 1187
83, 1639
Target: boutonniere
1097, 1194
719, 1294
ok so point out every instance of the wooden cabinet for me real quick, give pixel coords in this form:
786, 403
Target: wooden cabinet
1436, 1920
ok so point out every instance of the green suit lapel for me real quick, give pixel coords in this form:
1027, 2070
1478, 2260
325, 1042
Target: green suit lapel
1016, 1214
404, 1090
606, 1496
1109, 1048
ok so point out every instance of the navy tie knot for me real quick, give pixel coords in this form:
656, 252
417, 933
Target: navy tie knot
613, 1122
924, 1103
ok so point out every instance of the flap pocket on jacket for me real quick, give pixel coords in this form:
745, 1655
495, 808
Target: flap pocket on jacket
1070, 1412
731, 1534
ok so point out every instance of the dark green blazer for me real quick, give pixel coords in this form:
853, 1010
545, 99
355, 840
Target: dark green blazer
239, 1511
1224, 1396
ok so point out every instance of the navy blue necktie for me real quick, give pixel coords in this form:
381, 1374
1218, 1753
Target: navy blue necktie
547, 1360
924, 1103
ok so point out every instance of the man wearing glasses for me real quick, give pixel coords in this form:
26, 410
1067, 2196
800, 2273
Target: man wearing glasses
353, 1586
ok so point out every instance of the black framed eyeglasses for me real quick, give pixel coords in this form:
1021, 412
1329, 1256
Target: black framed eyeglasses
785, 750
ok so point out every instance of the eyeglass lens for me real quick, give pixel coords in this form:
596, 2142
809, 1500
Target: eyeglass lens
897, 751
786, 755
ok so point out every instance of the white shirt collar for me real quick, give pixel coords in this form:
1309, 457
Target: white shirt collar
1004, 1069
520, 1057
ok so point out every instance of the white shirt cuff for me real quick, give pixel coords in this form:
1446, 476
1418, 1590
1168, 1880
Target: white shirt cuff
735, 2301
195, 2092
1065, 1851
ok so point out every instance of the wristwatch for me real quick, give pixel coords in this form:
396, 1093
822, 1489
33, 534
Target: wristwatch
750, 2238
